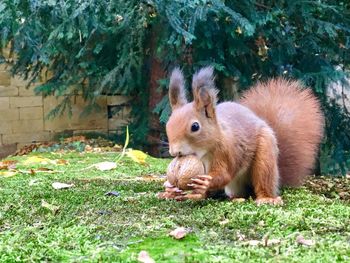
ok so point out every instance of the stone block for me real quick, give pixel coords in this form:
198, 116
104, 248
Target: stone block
18, 81
8, 91
5, 78
116, 123
20, 102
5, 67
117, 100
5, 127
93, 121
127, 111
4, 103
31, 113
45, 75
9, 115
6, 51
27, 126
26, 137
27, 92
121, 112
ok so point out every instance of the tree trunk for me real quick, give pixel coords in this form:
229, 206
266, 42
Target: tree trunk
156, 72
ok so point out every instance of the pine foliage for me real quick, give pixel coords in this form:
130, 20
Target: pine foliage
255, 40
97, 47
84, 47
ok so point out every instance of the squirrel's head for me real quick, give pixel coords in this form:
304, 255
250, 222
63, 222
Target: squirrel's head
192, 127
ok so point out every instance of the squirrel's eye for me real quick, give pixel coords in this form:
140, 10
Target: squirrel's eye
195, 127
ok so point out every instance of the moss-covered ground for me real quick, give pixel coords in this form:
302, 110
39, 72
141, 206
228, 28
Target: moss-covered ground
88, 226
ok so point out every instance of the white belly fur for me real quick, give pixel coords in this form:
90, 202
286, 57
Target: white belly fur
236, 188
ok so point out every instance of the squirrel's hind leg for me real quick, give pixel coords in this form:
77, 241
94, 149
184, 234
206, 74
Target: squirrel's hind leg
264, 169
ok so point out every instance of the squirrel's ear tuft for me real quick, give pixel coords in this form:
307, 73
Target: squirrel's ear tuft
177, 94
204, 91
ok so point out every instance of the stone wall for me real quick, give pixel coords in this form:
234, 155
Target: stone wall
23, 114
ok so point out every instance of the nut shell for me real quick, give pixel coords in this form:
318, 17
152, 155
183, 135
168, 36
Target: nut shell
182, 169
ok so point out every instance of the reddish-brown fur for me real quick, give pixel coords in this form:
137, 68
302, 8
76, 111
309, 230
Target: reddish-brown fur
270, 138
296, 118
264, 172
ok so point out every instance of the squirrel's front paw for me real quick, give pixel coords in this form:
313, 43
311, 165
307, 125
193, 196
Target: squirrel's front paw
200, 186
171, 192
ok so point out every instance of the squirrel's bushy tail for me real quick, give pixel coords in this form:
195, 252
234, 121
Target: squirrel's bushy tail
295, 115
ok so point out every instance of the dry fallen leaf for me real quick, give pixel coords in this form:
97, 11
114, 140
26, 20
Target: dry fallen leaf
179, 233
149, 178
58, 185
265, 242
88, 148
53, 208
27, 149
270, 242
144, 257
224, 222
39, 170
40, 160
7, 173
7, 164
306, 242
35, 160
105, 166
60, 162
76, 138
43, 169
254, 242
240, 236
97, 149
117, 147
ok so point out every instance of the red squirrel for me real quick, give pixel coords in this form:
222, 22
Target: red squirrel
268, 139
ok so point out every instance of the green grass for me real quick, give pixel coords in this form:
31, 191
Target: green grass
92, 227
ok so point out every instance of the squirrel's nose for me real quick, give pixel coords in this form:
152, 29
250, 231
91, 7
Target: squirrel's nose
174, 153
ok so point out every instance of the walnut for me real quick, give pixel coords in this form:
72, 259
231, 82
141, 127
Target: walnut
182, 169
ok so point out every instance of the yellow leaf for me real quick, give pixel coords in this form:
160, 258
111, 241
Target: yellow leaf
36, 160
7, 173
239, 30
137, 156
